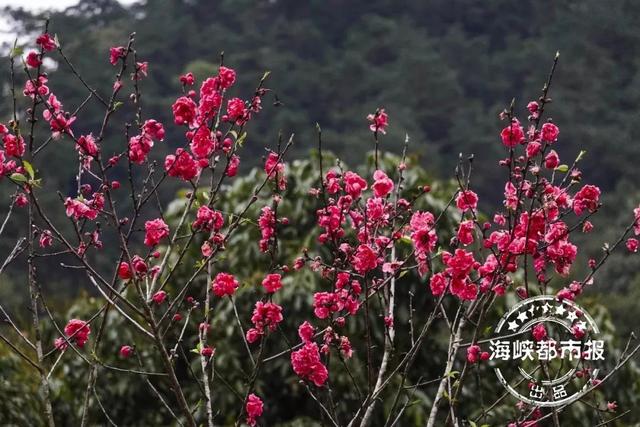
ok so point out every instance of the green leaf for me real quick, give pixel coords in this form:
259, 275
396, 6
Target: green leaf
406, 239
265, 75
117, 105
241, 139
18, 177
197, 349
16, 51
27, 166
562, 168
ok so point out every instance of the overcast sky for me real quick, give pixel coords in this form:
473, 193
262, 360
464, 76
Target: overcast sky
44, 4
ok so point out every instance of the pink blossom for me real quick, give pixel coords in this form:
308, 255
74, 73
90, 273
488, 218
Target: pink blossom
232, 169
202, 144
236, 111
184, 111
154, 129
46, 239
115, 53
551, 161
33, 59
77, 331
13, 145
473, 353
438, 284
586, 199
126, 351
379, 121
187, 79
266, 315
79, 209
275, 170
272, 283
21, 200
224, 284
227, 77
533, 148
207, 352
465, 232
539, 332
365, 259
36, 87
467, 200
512, 135
142, 69
305, 332
636, 224
549, 132
155, 230
159, 297
124, 271
632, 244
87, 145
139, 148
382, 185
208, 219
306, 364
354, 184
254, 409
181, 165
46, 42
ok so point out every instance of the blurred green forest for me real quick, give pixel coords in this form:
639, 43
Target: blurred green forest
442, 69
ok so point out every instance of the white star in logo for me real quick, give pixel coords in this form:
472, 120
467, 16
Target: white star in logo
572, 316
581, 325
560, 310
546, 307
532, 309
522, 316
513, 326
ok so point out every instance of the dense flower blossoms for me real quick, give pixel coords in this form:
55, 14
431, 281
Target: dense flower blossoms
275, 170
156, 230
224, 284
181, 165
266, 317
512, 135
307, 364
254, 408
267, 224
208, 219
272, 282
77, 331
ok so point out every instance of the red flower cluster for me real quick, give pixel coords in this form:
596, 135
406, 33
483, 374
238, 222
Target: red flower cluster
266, 316
224, 284
77, 331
